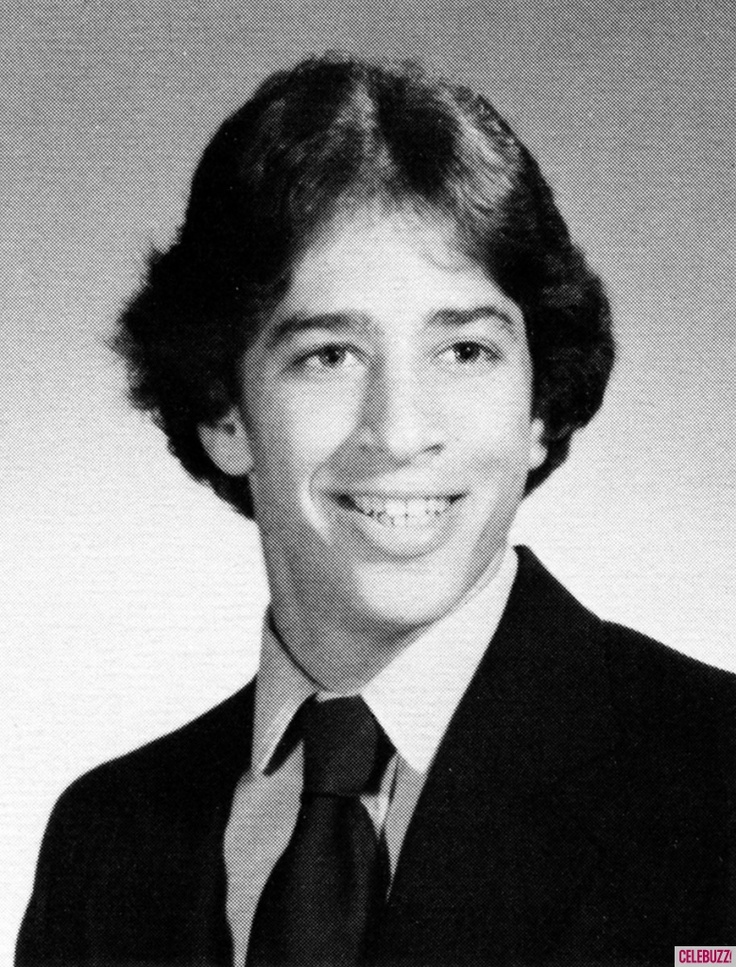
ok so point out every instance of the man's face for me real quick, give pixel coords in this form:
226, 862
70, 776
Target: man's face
386, 427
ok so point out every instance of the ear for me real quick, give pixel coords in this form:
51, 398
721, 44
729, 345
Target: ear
227, 444
537, 444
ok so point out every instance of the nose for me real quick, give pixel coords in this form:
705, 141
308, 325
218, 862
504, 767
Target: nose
400, 418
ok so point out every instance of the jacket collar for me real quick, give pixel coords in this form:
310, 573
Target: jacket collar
524, 765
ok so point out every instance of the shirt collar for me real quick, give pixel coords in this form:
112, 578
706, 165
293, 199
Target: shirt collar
413, 698
281, 688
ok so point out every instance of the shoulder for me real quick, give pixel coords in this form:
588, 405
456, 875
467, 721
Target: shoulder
634, 656
133, 825
208, 752
658, 695
670, 697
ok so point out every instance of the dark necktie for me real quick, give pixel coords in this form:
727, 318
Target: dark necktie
322, 899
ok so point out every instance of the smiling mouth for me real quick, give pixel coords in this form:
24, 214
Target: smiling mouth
397, 511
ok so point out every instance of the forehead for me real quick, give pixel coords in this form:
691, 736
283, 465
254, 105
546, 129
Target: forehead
386, 266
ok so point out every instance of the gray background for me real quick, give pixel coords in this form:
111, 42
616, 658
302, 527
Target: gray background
130, 599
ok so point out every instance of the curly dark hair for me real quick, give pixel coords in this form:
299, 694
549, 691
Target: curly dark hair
332, 133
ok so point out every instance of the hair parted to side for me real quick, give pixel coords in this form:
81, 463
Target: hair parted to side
331, 135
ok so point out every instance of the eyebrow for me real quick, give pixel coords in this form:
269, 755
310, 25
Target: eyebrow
339, 322
292, 326
447, 318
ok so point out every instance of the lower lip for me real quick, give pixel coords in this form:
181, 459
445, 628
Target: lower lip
401, 540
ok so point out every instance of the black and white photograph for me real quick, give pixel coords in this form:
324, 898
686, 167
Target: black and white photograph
368, 503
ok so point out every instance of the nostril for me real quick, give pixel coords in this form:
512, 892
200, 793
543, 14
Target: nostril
398, 417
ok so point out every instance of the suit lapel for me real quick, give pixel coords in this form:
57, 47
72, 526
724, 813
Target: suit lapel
498, 843
219, 754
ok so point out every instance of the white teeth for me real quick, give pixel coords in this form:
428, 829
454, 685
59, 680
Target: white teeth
398, 512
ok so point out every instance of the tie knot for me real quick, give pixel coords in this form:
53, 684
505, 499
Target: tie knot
345, 749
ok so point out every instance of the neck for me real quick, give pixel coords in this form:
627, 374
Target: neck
342, 651
335, 656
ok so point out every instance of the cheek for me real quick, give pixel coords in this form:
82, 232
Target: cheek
493, 426
297, 437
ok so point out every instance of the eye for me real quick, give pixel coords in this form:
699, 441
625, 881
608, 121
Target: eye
331, 356
469, 353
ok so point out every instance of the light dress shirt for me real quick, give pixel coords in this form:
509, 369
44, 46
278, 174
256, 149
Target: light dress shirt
413, 699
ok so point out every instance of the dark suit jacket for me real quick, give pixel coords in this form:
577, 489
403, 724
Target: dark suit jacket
581, 810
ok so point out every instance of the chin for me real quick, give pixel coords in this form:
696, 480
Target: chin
399, 604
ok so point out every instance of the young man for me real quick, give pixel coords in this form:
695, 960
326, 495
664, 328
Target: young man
375, 336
